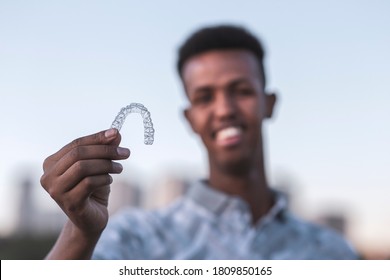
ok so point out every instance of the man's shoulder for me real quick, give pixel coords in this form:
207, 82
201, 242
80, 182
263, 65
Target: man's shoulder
320, 241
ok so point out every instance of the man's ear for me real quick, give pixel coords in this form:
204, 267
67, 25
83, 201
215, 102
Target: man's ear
270, 99
187, 114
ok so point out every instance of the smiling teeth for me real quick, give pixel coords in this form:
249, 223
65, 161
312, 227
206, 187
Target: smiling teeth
228, 133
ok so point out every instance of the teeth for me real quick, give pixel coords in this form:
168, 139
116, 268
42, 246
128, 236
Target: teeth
228, 133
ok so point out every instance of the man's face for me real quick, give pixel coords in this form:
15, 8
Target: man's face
227, 105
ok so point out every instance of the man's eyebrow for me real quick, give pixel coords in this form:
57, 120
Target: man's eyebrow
238, 82
209, 88
202, 89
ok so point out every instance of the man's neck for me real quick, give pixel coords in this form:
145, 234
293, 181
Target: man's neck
251, 186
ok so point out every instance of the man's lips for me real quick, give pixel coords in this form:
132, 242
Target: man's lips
229, 136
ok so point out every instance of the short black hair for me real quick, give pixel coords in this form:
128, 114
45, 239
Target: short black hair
220, 37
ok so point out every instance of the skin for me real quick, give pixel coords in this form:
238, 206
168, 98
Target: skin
224, 89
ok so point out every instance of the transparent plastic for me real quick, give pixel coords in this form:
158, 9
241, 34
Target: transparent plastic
140, 109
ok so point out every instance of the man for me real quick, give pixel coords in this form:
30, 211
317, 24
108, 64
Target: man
231, 215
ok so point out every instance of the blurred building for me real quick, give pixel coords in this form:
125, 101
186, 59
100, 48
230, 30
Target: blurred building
125, 194
166, 191
31, 219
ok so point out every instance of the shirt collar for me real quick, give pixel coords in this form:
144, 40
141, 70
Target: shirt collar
211, 199
216, 201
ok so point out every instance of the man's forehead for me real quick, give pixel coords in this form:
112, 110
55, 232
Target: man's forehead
214, 65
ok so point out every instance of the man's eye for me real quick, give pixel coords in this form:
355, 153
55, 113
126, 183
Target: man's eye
244, 91
202, 98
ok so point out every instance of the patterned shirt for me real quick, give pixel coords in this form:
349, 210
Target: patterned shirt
209, 224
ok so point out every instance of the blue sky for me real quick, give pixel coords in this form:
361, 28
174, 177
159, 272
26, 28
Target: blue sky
67, 67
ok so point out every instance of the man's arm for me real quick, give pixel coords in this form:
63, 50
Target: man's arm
73, 244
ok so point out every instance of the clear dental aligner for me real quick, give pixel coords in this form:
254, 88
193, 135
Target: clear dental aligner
136, 108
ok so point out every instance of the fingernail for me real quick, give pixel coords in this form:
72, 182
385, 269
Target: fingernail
123, 152
110, 133
117, 167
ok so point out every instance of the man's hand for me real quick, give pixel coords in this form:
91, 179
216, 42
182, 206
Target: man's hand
77, 178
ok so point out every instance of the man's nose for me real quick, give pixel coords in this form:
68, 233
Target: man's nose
225, 106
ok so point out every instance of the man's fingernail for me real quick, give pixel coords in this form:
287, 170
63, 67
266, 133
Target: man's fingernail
110, 133
123, 152
117, 167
